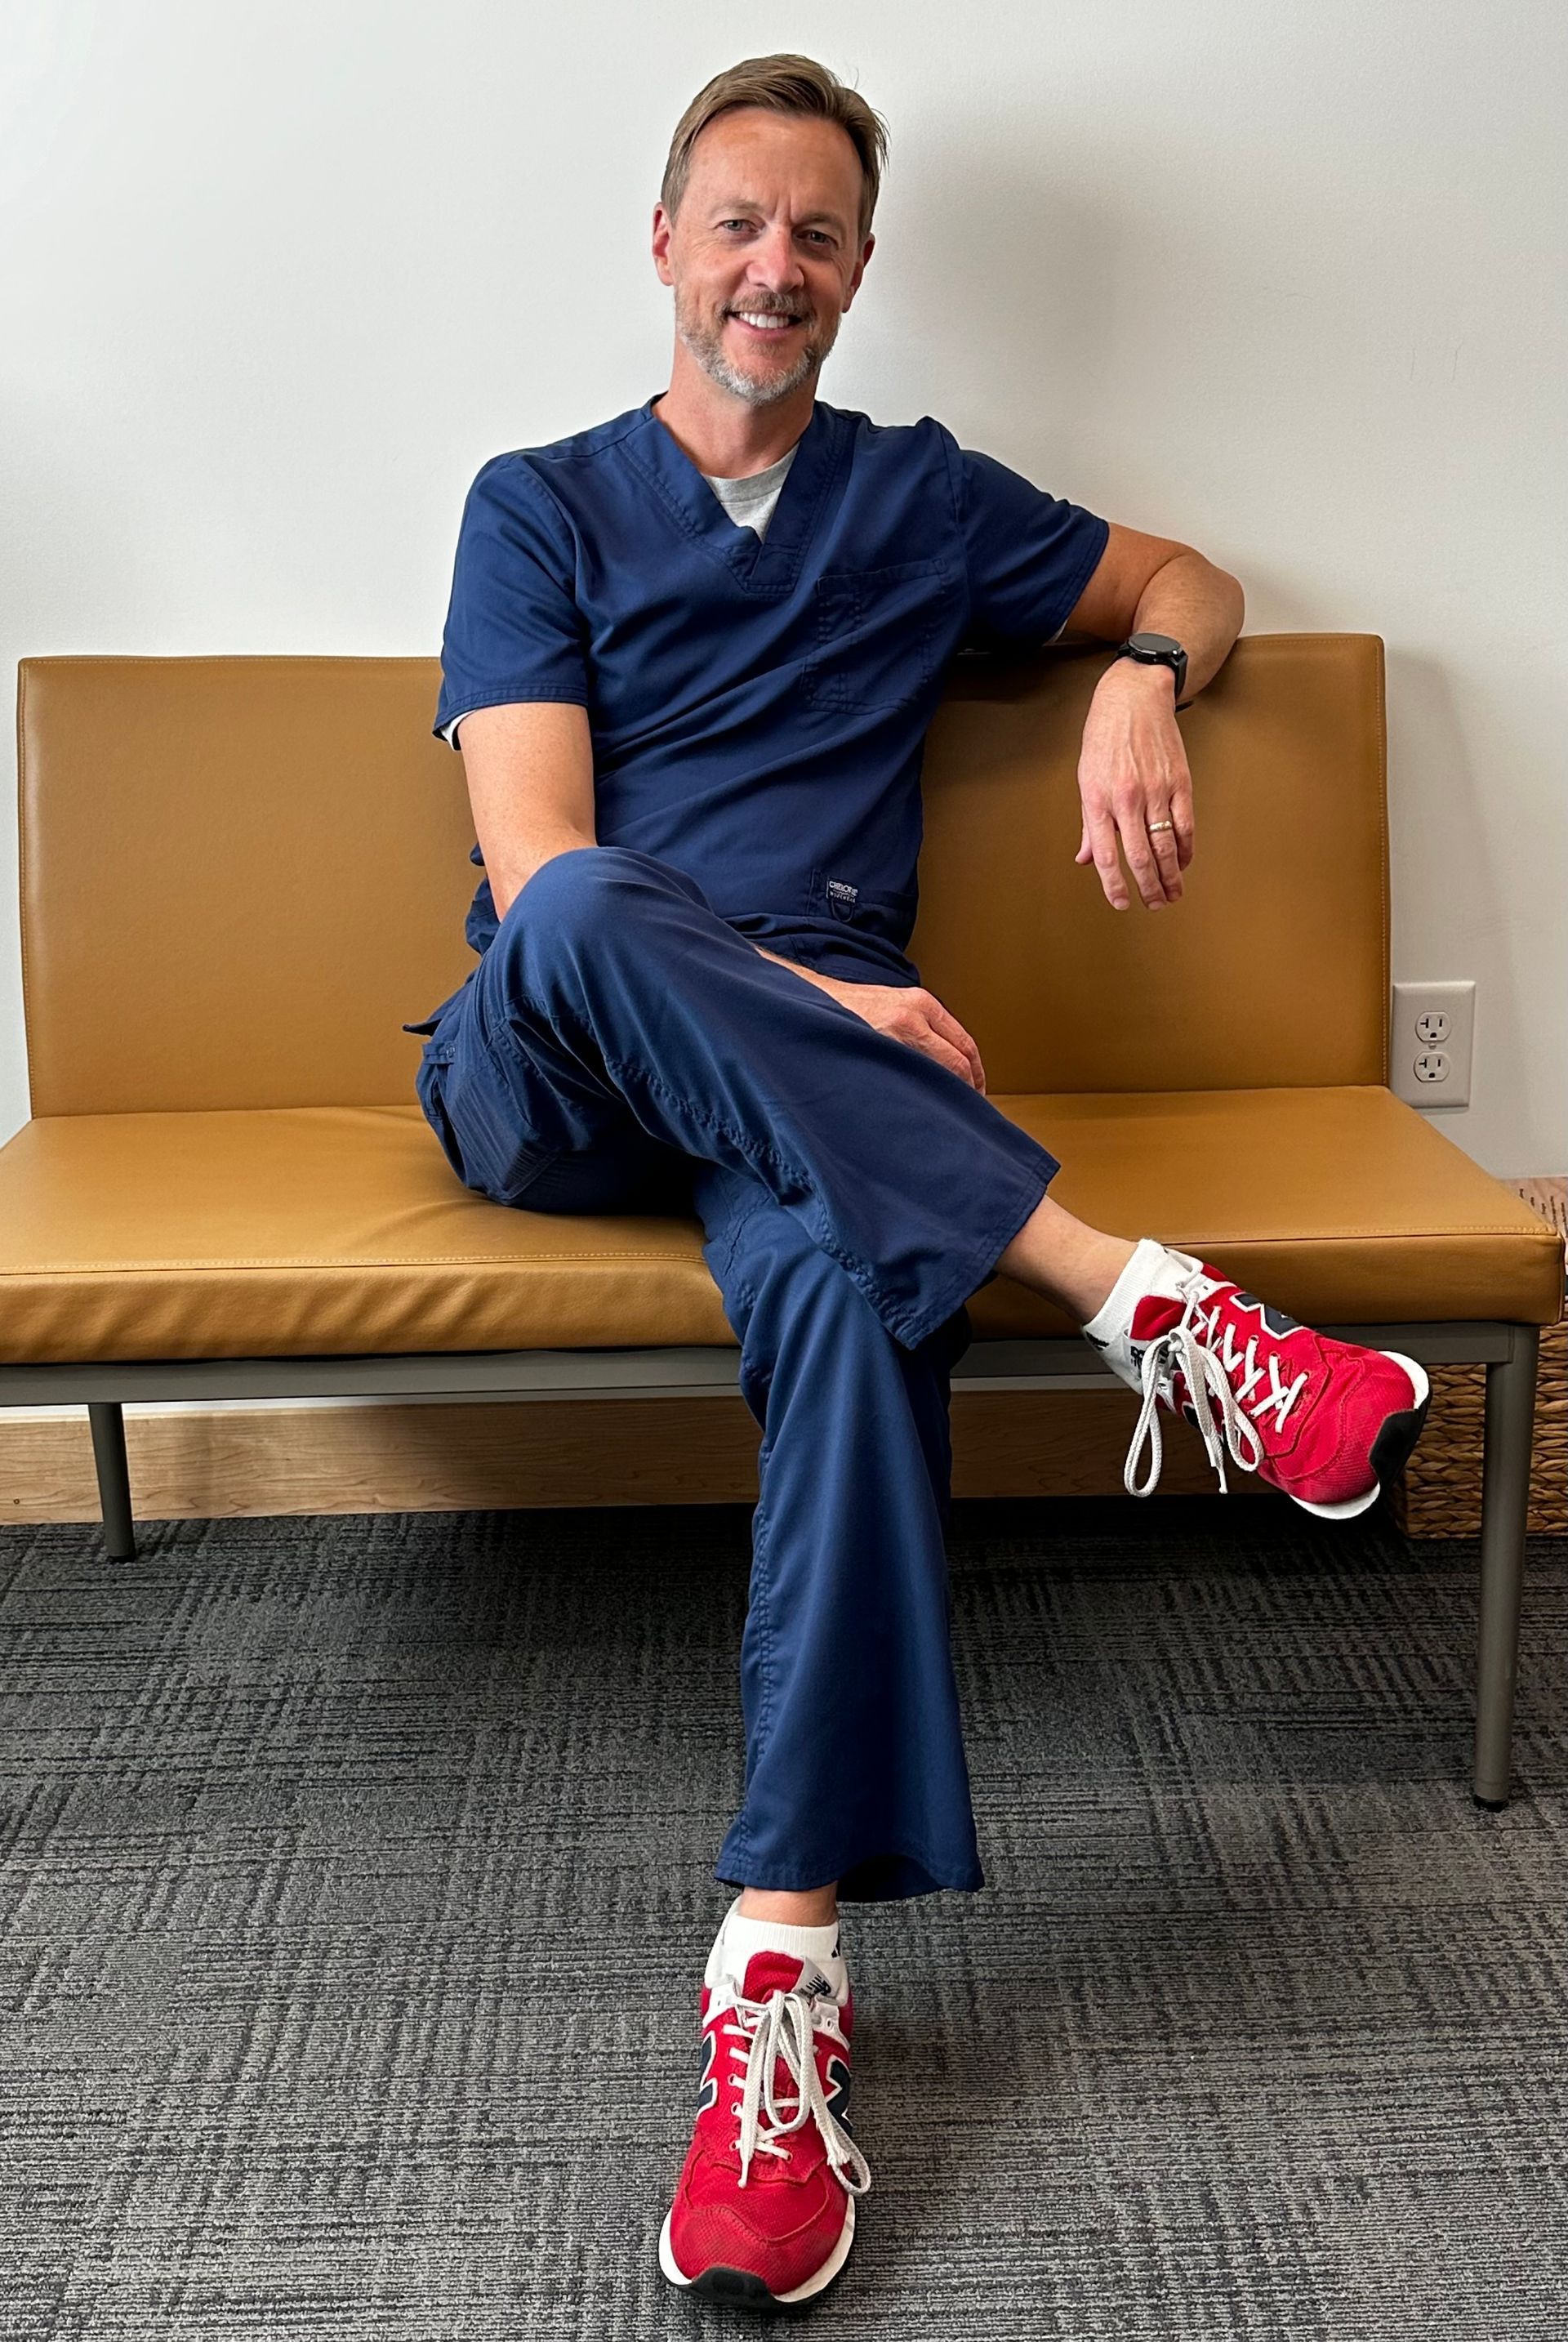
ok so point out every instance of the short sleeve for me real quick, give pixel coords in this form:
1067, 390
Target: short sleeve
1029, 555
513, 630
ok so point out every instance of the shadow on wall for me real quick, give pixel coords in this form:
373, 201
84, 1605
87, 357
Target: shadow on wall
1011, 323
1002, 286
1436, 828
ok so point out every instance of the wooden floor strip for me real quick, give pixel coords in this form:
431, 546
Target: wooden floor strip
220, 1462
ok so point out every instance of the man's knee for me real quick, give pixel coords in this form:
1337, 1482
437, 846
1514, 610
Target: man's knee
589, 888
569, 885
558, 923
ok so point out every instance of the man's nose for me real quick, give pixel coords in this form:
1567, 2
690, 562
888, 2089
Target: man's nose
775, 264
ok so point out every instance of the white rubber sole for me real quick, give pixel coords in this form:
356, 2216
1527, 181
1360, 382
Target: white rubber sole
1355, 1504
814, 2285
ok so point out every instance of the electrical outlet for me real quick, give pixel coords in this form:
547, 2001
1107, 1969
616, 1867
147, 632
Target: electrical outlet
1432, 1043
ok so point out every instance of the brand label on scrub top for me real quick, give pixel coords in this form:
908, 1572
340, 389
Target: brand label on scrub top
842, 896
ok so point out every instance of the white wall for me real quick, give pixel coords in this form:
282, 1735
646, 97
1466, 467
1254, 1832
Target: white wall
1285, 280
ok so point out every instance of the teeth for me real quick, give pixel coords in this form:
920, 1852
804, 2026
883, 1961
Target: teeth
766, 321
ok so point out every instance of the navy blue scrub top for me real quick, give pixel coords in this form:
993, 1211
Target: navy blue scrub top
758, 707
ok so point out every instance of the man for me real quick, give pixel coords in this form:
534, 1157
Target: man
690, 660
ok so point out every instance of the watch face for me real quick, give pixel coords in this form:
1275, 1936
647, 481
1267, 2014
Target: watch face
1156, 645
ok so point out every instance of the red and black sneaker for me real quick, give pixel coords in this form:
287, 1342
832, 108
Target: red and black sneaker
763, 2215
1325, 1421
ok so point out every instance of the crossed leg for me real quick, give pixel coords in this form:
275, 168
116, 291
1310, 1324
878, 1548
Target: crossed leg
619, 1038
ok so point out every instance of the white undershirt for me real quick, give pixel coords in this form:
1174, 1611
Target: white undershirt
750, 503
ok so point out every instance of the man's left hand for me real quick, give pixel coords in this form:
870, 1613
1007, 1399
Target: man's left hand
1136, 789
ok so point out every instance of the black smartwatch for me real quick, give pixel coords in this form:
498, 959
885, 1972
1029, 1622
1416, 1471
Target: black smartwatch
1159, 650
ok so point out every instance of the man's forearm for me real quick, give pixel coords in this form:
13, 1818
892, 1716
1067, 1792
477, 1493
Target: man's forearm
1202, 607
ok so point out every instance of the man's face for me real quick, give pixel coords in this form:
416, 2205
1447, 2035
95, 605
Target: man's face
765, 255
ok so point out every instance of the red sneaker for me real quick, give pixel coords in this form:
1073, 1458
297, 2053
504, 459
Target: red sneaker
1325, 1421
763, 2215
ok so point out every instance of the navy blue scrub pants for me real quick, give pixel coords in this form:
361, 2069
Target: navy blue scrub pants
621, 1048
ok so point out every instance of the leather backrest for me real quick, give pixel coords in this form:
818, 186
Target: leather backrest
241, 877
1273, 970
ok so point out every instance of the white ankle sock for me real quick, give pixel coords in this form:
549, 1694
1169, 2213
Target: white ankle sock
738, 1938
1146, 1272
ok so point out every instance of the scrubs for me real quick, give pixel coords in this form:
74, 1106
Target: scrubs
757, 709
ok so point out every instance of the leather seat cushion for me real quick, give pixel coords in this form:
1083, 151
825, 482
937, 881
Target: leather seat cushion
314, 1231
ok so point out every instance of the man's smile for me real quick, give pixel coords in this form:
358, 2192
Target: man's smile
766, 322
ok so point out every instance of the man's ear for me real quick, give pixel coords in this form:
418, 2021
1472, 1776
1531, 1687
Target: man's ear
664, 229
866, 249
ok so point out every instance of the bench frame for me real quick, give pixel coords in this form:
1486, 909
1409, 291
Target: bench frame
1509, 1353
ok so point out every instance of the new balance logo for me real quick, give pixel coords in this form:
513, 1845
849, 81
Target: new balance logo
708, 2091
1274, 1319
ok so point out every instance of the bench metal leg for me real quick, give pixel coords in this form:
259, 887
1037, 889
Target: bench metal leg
107, 1417
1504, 1508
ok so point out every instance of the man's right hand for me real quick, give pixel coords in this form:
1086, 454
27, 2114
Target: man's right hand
911, 1015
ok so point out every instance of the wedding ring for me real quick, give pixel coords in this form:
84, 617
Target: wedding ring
1154, 825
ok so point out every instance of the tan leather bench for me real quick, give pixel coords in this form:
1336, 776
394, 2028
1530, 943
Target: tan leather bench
241, 877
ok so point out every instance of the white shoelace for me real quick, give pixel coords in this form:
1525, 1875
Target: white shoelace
1187, 1347
760, 2033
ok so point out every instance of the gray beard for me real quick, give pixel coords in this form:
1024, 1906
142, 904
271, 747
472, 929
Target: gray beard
706, 344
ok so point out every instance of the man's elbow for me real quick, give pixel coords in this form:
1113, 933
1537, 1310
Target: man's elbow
1238, 601
1217, 581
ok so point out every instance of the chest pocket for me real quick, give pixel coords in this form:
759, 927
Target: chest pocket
876, 636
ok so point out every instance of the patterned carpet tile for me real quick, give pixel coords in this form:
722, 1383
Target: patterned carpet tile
355, 1886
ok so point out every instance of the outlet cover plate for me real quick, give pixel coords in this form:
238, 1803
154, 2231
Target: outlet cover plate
1432, 1022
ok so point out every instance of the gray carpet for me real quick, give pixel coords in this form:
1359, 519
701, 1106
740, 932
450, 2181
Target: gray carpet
355, 1887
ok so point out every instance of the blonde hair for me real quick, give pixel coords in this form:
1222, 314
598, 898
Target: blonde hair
783, 85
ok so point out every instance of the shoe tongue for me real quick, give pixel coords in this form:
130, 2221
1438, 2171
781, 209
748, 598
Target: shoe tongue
770, 1972
1155, 1314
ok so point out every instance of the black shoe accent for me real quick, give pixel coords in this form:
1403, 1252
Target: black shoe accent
1393, 1445
739, 2290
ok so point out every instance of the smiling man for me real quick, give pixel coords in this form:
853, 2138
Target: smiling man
690, 661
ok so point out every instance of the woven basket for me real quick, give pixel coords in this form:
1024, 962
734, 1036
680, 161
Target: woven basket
1440, 1497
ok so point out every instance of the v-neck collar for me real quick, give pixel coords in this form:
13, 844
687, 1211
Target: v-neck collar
767, 565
